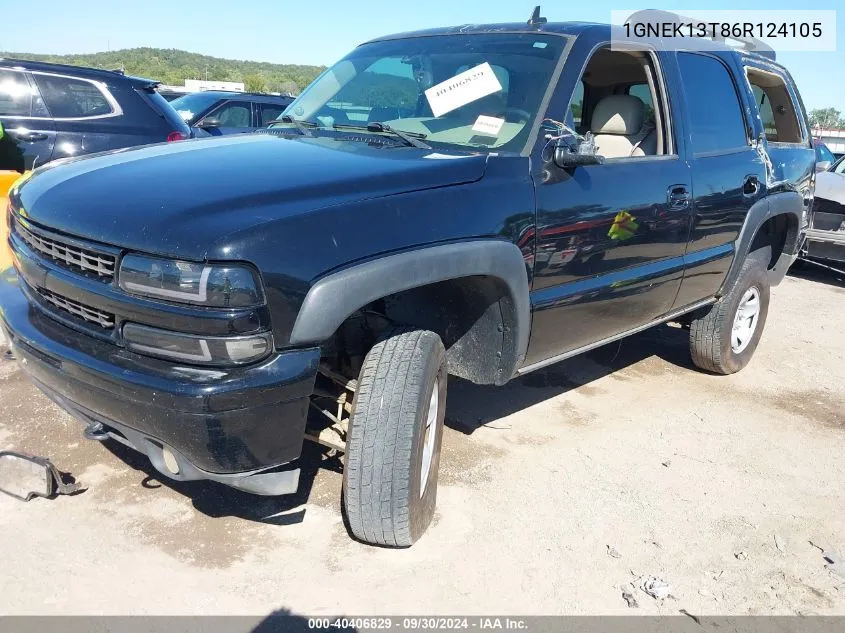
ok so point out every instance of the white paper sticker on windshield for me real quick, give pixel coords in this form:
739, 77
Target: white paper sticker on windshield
462, 89
489, 125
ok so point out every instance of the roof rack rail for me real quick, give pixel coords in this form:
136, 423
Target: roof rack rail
748, 44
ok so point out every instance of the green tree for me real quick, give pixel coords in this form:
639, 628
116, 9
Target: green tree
255, 83
826, 118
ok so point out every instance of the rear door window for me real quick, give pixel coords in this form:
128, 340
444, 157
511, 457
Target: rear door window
716, 120
233, 114
69, 98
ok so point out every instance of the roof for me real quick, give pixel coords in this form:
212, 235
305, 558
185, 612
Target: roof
68, 69
593, 30
255, 96
559, 28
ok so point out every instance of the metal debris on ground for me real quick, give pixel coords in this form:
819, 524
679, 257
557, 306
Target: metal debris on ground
779, 543
667, 463
656, 588
612, 552
695, 618
835, 565
741, 555
629, 598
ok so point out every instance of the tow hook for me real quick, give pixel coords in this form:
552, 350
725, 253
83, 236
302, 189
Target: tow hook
96, 432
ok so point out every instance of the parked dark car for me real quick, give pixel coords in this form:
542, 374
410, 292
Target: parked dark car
171, 95
421, 210
52, 111
217, 112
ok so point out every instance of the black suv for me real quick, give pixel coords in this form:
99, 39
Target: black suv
421, 210
217, 112
52, 111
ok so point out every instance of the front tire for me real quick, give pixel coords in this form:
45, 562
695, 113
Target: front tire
395, 434
723, 340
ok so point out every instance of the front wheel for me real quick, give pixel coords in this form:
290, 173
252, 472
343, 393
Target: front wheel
395, 433
724, 339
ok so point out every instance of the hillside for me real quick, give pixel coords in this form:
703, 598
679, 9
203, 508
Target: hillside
172, 66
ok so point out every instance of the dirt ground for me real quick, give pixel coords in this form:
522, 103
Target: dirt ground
557, 493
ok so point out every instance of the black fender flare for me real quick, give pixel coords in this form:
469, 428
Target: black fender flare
789, 203
336, 296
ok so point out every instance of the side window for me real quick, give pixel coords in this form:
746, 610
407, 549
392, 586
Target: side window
233, 114
777, 111
576, 105
643, 93
69, 98
716, 120
15, 94
269, 113
615, 100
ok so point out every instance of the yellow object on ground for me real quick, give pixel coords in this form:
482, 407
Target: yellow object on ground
7, 179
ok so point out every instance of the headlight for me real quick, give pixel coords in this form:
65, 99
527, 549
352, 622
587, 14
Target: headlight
197, 350
213, 285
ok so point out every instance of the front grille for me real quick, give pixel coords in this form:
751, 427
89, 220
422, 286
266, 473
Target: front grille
73, 257
92, 315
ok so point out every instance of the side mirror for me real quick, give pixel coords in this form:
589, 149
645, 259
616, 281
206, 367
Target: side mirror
25, 477
569, 156
823, 165
208, 124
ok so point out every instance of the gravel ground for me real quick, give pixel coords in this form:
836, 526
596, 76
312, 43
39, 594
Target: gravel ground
557, 493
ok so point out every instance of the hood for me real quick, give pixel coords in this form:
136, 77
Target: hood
177, 199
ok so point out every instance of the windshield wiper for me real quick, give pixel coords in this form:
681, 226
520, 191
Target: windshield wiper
411, 138
302, 125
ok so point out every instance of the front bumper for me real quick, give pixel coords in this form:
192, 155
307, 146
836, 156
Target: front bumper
230, 426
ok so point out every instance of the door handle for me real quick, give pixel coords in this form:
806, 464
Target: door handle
750, 186
678, 196
28, 136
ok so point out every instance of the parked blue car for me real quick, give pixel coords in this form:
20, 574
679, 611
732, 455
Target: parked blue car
217, 112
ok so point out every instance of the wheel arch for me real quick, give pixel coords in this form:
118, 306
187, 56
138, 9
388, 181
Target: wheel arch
775, 220
485, 273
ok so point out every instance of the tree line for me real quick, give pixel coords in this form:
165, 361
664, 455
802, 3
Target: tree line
827, 118
172, 66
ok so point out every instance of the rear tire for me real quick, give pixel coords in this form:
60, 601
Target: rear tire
723, 341
393, 448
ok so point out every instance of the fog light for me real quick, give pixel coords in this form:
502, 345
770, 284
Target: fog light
197, 350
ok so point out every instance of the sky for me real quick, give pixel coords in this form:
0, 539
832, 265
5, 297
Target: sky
287, 32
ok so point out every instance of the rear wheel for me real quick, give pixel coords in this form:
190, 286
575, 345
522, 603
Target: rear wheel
395, 433
724, 339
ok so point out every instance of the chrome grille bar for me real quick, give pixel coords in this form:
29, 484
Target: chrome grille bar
103, 319
71, 256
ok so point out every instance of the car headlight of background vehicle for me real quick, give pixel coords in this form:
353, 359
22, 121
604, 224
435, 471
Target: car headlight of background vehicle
197, 350
211, 285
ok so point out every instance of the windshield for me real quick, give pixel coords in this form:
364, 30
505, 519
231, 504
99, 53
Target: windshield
190, 106
467, 90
